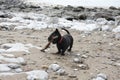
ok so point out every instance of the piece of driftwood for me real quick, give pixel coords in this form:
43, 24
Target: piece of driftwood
43, 50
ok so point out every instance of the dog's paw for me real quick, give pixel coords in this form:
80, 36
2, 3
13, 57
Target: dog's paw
69, 50
62, 54
57, 52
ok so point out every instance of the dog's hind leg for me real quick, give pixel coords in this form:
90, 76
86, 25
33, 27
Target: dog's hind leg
71, 45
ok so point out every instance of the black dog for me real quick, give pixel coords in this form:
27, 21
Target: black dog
62, 42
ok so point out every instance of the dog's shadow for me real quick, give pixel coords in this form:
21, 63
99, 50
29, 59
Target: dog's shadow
66, 53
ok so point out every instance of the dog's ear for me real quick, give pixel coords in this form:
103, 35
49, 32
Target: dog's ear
56, 30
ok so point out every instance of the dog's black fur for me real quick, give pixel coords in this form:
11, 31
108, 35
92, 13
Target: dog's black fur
62, 42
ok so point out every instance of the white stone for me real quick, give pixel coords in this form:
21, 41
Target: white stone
117, 64
4, 68
117, 29
101, 21
13, 60
99, 78
18, 70
54, 67
102, 76
78, 60
61, 72
37, 75
106, 28
84, 56
83, 66
117, 36
8, 55
21, 60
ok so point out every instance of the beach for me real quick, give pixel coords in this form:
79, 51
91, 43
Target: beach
24, 31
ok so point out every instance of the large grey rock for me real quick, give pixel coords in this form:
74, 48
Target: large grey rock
113, 8
106, 15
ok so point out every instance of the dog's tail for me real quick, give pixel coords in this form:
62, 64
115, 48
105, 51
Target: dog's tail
66, 30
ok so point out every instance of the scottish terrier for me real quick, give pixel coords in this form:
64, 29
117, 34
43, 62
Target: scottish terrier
62, 42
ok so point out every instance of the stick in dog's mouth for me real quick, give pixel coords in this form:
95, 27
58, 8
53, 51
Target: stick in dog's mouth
43, 50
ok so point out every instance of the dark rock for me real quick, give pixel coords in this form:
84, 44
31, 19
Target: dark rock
56, 7
4, 28
113, 8
69, 8
82, 16
5, 15
78, 9
109, 18
106, 15
81, 7
70, 18
32, 6
116, 13
92, 9
87, 9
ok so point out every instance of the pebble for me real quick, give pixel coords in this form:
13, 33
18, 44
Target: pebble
61, 72
84, 56
54, 67
72, 76
18, 70
44, 67
116, 64
78, 60
83, 66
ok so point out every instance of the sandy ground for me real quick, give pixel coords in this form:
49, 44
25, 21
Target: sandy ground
100, 50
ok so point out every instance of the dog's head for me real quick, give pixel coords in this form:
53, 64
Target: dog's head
54, 37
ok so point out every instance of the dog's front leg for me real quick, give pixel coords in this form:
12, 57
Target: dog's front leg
63, 52
59, 49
